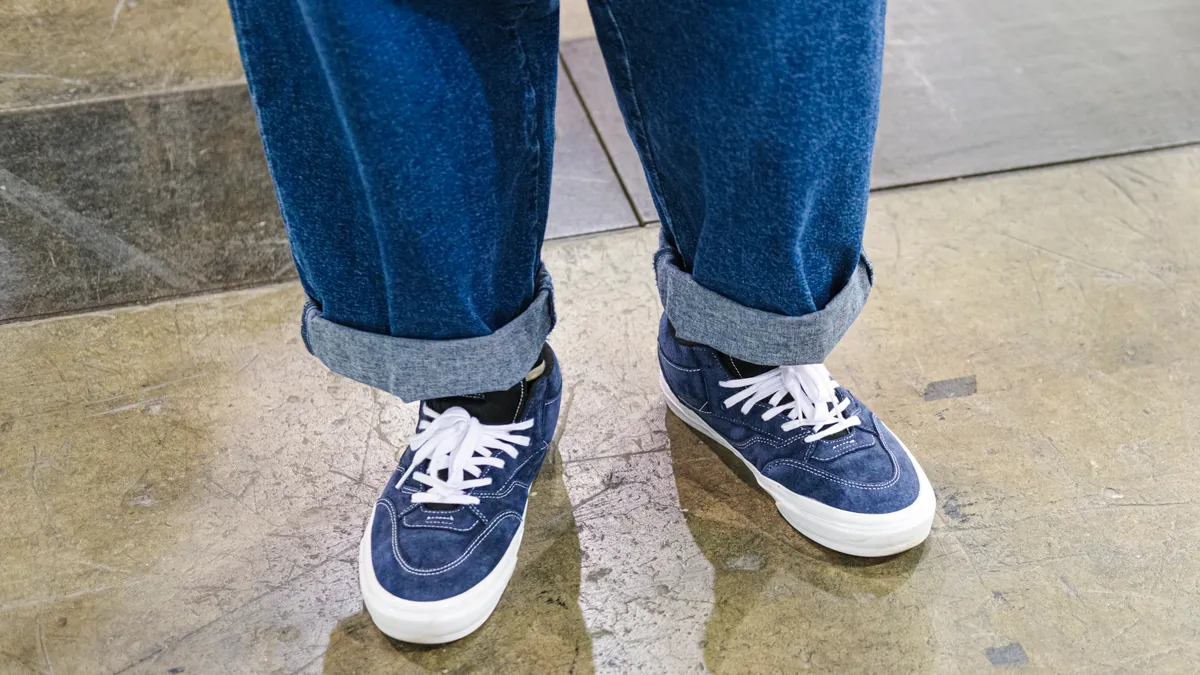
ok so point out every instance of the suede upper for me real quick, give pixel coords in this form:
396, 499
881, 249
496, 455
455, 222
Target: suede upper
429, 552
863, 470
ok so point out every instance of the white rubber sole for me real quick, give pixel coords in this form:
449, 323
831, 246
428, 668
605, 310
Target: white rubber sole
867, 535
439, 621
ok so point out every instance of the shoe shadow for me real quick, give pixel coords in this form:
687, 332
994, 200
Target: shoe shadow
537, 627
782, 602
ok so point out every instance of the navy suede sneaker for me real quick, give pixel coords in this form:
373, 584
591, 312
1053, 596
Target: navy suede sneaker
836, 473
442, 542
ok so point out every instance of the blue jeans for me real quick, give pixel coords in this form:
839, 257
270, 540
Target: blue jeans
410, 142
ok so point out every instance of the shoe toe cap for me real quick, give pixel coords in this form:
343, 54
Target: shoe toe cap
863, 473
426, 564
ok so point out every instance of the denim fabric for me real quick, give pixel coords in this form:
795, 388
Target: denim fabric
755, 122
426, 554
424, 369
705, 316
864, 471
410, 142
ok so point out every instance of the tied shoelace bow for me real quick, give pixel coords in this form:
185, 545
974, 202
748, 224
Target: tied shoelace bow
814, 400
459, 445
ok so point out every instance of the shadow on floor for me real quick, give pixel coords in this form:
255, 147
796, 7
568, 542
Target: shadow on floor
537, 628
782, 602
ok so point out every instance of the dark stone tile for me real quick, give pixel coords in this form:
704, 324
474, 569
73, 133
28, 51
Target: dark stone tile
994, 85
586, 67
136, 199
131, 200
585, 195
986, 86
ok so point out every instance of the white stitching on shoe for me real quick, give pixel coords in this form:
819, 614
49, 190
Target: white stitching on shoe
760, 439
519, 404
448, 566
825, 474
503, 493
735, 368
439, 524
507, 487
808, 455
853, 448
787, 439
664, 359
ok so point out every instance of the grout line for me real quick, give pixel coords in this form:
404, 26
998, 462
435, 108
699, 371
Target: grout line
991, 173
612, 230
124, 97
173, 297
600, 138
616, 456
249, 285
145, 302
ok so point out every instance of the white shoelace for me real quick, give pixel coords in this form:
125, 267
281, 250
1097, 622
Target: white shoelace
814, 401
461, 445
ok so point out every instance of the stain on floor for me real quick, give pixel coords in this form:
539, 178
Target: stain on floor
1008, 655
955, 388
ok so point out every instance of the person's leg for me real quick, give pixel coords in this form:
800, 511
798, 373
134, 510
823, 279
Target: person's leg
755, 122
410, 144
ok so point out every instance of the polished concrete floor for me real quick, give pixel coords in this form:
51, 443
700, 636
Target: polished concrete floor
184, 487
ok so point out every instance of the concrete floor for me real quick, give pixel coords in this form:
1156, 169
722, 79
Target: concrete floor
184, 486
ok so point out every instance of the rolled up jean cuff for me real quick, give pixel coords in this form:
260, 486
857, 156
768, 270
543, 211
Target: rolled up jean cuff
766, 338
422, 369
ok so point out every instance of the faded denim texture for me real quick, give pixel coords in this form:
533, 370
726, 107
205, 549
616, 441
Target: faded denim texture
410, 142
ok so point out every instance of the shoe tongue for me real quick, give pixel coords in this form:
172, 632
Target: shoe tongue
494, 407
743, 369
